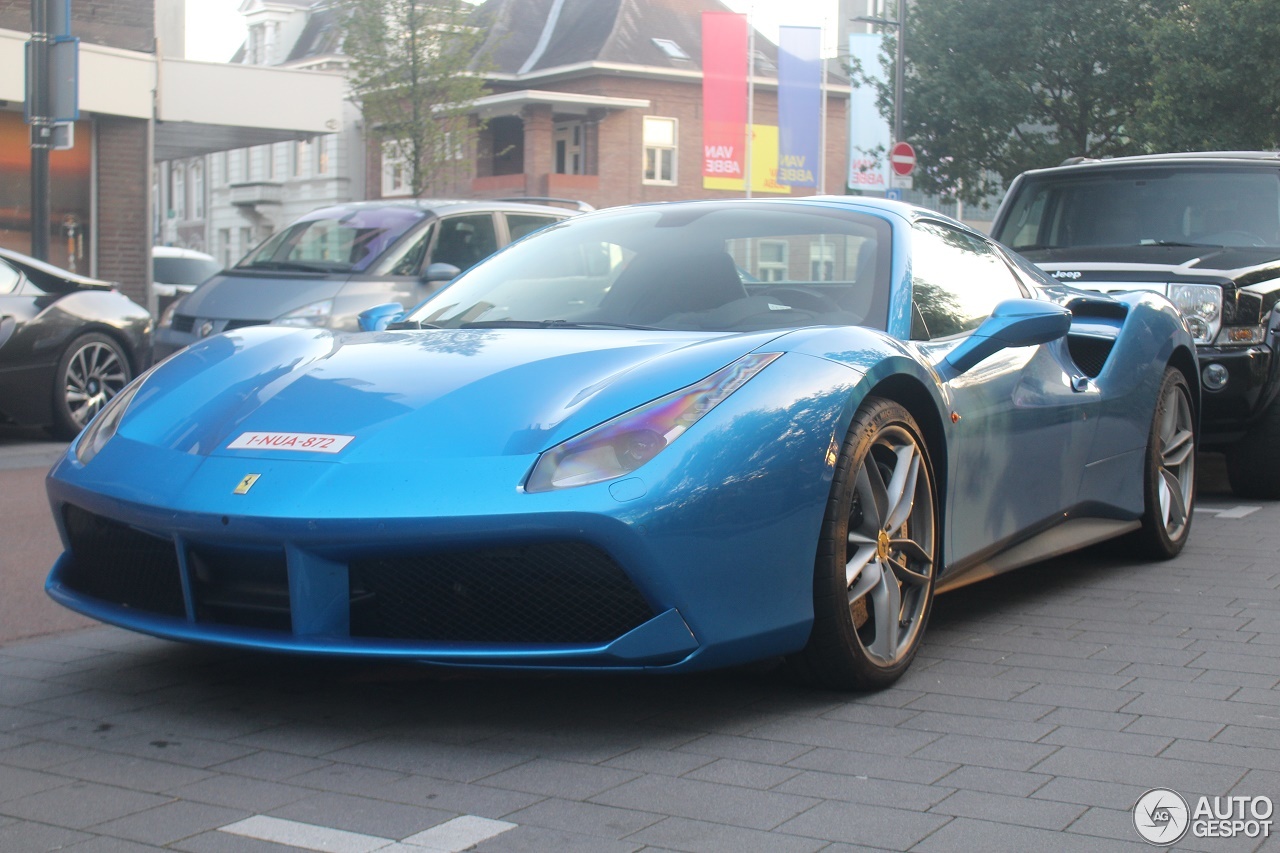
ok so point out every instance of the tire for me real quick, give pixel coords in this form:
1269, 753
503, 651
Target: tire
1253, 463
1169, 472
92, 370
877, 556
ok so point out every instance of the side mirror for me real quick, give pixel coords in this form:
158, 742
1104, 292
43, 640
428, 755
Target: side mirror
441, 272
1014, 323
377, 318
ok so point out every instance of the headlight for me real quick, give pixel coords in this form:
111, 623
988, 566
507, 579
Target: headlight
1201, 306
315, 314
103, 427
628, 441
166, 318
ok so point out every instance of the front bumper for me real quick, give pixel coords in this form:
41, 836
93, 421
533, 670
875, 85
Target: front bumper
1226, 414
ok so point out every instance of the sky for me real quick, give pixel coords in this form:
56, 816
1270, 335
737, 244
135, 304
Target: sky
215, 28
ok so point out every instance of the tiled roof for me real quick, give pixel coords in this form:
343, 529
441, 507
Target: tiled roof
532, 36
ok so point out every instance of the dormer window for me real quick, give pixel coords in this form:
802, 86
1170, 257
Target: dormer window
671, 49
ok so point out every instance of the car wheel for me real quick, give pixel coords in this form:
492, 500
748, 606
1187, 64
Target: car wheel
1253, 463
877, 556
1169, 476
91, 371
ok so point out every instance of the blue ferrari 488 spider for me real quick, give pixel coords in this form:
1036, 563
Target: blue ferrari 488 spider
660, 437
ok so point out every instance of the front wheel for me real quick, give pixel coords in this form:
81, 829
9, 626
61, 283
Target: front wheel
91, 371
877, 555
1169, 474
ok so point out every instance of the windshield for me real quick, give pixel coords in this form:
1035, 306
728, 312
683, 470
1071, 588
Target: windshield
183, 270
334, 239
1183, 205
726, 266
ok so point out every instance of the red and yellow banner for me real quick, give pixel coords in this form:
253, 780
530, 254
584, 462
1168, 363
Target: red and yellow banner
724, 95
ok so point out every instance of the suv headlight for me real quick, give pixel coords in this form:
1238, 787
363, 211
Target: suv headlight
1201, 306
315, 314
622, 445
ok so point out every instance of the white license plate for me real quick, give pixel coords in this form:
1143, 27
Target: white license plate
306, 442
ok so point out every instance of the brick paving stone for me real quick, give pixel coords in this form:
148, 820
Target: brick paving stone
170, 822
1166, 727
1132, 742
878, 826
25, 836
480, 800
1068, 676
990, 837
707, 801
1089, 792
363, 815
931, 721
239, 792
887, 740
659, 761
1089, 698
694, 836
589, 818
745, 748
554, 778
344, 778
873, 766
1087, 719
1015, 783
127, 771
1174, 773
18, 782
526, 838
999, 710
747, 774
80, 804
1002, 808
985, 752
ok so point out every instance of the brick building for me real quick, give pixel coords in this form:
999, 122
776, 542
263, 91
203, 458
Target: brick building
139, 103
587, 96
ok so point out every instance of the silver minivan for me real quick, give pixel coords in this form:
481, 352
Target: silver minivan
325, 268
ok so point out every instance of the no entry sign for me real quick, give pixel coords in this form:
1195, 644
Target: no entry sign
903, 159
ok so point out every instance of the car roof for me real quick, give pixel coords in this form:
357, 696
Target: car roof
1186, 157
440, 206
179, 252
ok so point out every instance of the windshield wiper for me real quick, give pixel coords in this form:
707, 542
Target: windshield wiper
550, 324
295, 266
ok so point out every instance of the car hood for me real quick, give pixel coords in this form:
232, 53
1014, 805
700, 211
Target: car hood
261, 297
1180, 259
433, 394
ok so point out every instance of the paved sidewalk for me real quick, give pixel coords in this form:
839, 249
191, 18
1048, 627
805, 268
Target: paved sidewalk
1044, 703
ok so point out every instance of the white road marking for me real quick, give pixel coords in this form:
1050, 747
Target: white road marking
1229, 512
452, 836
458, 834
305, 835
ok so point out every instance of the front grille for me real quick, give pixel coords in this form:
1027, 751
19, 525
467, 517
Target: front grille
240, 324
1089, 354
119, 564
562, 592
182, 323
231, 586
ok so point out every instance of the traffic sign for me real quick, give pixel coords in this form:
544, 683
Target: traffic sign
903, 158
893, 194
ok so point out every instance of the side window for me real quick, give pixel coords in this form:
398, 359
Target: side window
520, 224
9, 278
465, 240
956, 281
410, 260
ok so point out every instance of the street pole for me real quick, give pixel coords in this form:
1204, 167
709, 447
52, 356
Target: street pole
41, 129
899, 71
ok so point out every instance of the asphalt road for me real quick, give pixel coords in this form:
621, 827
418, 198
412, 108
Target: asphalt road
1042, 706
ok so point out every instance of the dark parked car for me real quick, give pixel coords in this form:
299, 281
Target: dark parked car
328, 266
68, 344
1204, 229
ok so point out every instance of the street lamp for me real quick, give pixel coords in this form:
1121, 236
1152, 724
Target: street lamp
899, 61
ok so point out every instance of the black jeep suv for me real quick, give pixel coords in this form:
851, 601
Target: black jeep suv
1204, 229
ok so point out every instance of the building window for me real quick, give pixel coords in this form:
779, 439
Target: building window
568, 142
246, 241
179, 201
197, 191
322, 155
301, 158
397, 173
822, 262
773, 260
659, 150
224, 245
670, 48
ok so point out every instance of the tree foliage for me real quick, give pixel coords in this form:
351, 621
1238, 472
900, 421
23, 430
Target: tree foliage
1217, 78
408, 61
994, 87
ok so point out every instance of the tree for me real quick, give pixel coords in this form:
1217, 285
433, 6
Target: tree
408, 61
995, 87
1217, 81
